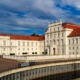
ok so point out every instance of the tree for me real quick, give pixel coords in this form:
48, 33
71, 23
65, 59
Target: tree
32, 52
24, 53
34, 34
35, 52
44, 53
12, 53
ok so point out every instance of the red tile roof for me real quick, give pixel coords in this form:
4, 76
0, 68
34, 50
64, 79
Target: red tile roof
76, 29
4, 34
70, 25
75, 32
18, 37
36, 38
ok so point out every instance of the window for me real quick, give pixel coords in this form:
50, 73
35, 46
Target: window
54, 41
73, 41
51, 35
32, 43
36, 43
50, 42
73, 48
76, 40
19, 43
4, 49
76, 52
10, 49
73, 52
50, 30
69, 48
28, 49
77, 47
18, 48
58, 51
10, 43
69, 41
4, 43
47, 42
62, 41
54, 29
62, 34
27, 43
69, 52
58, 34
58, 41
62, 51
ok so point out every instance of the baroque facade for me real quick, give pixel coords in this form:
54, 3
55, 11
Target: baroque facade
60, 39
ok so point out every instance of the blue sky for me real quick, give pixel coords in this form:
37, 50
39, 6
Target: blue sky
24, 17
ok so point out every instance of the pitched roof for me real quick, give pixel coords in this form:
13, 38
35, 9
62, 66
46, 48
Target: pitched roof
20, 37
4, 34
36, 38
75, 32
70, 25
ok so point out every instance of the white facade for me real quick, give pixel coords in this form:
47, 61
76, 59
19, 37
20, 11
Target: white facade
4, 44
74, 45
56, 39
20, 47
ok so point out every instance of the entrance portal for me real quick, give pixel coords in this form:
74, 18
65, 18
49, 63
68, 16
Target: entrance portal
54, 51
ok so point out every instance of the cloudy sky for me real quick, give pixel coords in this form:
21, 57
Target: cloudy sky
24, 17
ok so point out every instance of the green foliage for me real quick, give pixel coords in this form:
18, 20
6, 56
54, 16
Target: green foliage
34, 34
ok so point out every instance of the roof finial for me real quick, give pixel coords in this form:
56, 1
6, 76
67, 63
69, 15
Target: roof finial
60, 20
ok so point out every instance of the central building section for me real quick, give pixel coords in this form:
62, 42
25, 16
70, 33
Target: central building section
56, 41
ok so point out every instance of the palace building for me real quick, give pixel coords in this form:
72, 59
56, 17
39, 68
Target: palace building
60, 39
21, 45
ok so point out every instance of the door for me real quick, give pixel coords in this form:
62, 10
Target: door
53, 51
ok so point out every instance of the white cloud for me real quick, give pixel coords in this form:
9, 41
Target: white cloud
45, 6
49, 7
74, 3
19, 5
32, 21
